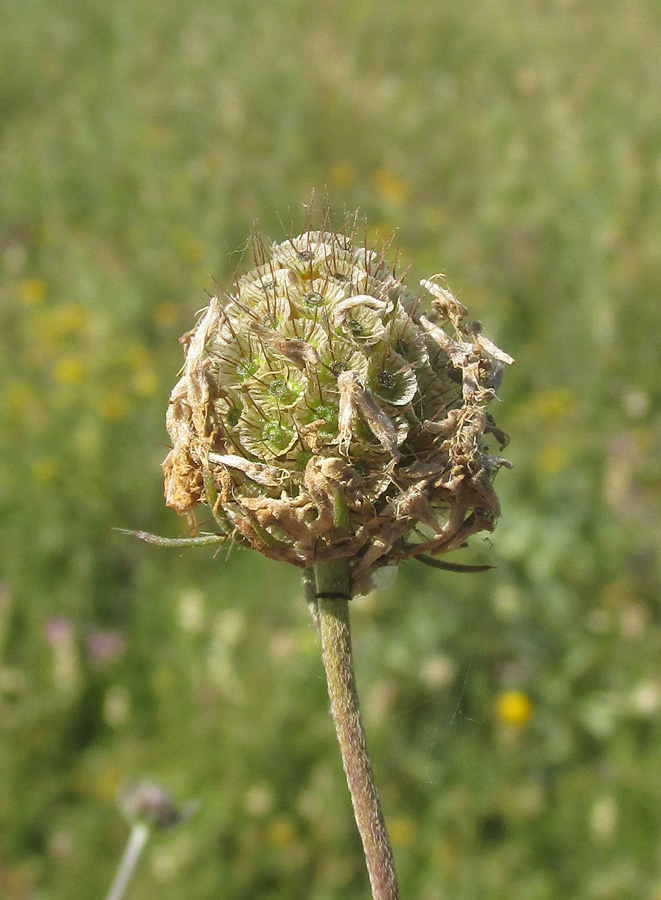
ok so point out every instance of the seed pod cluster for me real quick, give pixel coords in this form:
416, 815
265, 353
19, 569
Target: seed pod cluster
326, 410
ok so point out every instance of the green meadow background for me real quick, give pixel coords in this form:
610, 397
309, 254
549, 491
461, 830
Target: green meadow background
513, 716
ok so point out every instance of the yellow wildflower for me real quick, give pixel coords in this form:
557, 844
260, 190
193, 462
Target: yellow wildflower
33, 291
69, 370
513, 708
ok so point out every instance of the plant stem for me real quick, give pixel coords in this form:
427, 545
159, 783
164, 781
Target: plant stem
333, 591
134, 847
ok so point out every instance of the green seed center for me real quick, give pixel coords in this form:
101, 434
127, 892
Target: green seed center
246, 368
278, 389
233, 416
275, 436
386, 381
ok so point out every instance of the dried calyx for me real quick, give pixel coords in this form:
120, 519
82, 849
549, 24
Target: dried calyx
327, 411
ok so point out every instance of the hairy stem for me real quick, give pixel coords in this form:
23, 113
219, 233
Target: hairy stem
134, 848
332, 596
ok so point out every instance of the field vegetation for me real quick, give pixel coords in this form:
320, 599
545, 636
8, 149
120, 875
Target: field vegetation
513, 716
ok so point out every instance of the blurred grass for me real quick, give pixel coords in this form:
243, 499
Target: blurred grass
517, 147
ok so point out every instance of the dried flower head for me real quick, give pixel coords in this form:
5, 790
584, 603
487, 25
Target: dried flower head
325, 410
149, 803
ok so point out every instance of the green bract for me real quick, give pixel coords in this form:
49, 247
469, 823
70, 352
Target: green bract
325, 410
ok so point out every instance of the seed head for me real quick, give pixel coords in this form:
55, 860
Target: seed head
325, 410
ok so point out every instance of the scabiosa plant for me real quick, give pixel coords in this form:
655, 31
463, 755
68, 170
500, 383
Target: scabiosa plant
330, 417
325, 412
147, 807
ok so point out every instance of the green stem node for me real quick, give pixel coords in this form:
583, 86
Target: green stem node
333, 579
